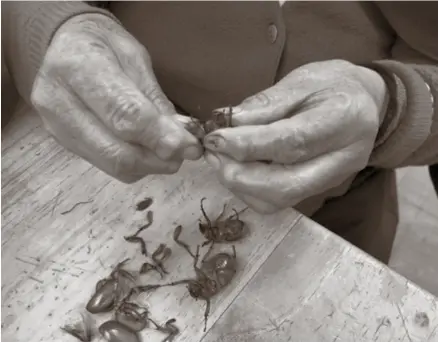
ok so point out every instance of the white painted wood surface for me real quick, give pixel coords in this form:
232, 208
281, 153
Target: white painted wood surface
296, 281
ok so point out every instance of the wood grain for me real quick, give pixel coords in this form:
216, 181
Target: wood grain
296, 281
50, 262
315, 287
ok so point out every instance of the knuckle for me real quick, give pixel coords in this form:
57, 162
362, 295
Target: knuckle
120, 163
240, 149
125, 116
43, 97
259, 99
59, 64
344, 101
167, 150
37, 97
155, 95
144, 54
299, 142
131, 48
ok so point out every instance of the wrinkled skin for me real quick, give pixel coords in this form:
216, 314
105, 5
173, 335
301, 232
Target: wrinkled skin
310, 132
98, 96
114, 331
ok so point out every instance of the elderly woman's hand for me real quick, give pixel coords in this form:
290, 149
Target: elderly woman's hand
97, 95
316, 127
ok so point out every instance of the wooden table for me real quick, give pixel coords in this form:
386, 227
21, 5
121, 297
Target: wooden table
296, 281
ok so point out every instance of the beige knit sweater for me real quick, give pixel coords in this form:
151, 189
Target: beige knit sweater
409, 133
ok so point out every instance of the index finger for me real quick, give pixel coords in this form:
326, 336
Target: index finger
271, 105
125, 110
296, 139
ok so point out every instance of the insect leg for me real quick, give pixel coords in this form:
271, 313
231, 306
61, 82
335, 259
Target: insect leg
176, 234
208, 252
206, 313
203, 212
150, 218
195, 262
236, 213
171, 329
222, 213
146, 267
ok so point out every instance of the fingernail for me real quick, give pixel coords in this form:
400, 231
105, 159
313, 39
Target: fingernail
237, 109
226, 110
192, 153
214, 142
213, 160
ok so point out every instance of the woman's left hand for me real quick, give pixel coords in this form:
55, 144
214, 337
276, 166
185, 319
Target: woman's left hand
305, 135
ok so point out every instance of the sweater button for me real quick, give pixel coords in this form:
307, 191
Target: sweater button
273, 33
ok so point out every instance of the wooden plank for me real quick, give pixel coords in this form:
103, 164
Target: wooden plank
50, 261
296, 281
316, 287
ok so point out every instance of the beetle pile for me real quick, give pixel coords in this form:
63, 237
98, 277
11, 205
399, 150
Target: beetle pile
114, 293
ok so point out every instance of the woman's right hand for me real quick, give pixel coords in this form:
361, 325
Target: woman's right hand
97, 95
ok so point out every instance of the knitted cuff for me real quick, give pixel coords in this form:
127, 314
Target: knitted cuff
29, 27
408, 118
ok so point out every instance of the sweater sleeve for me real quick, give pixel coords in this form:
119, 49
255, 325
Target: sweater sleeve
409, 132
27, 30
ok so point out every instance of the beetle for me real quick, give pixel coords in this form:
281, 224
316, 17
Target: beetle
214, 274
109, 291
219, 120
114, 331
221, 230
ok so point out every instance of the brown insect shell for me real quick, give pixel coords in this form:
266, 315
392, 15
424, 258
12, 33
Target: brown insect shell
207, 232
114, 331
224, 276
222, 267
128, 314
224, 231
233, 229
203, 289
104, 298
